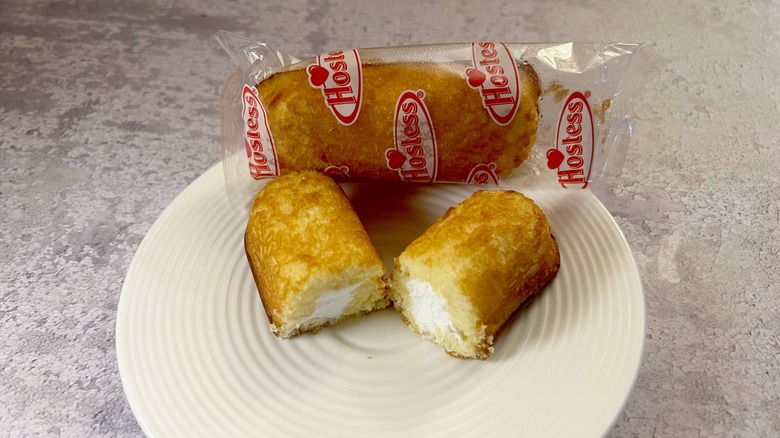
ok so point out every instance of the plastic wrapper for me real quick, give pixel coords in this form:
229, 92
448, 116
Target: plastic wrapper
514, 115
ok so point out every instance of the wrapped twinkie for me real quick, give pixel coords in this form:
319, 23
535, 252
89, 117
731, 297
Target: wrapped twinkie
391, 122
480, 113
311, 259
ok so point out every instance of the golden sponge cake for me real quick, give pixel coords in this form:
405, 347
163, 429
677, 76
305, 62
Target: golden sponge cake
465, 278
311, 258
308, 137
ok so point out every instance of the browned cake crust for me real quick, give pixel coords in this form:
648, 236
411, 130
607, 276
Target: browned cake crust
486, 257
307, 136
302, 237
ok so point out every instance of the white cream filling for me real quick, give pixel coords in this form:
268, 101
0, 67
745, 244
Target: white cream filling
331, 305
427, 309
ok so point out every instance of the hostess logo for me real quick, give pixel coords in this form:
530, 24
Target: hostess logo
484, 174
573, 155
415, 155
339, 76
258, 141
494, 74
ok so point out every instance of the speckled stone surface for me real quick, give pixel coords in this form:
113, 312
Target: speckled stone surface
108, 109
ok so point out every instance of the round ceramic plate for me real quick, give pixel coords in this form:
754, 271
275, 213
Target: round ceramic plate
197, 357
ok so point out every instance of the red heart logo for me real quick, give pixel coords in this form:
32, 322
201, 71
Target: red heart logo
476, 77
554, 158
395, 159
317, 75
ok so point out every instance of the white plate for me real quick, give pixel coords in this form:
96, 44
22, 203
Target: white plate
197, 358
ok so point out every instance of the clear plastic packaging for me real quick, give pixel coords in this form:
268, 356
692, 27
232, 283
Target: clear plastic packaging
514, 115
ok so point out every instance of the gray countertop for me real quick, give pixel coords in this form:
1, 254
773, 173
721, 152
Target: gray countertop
108, 110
